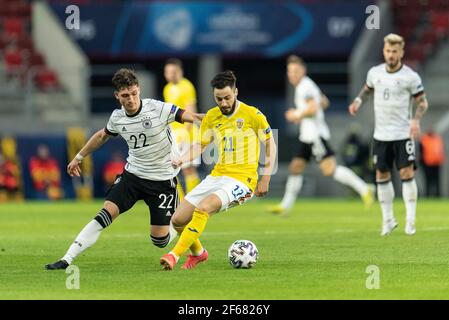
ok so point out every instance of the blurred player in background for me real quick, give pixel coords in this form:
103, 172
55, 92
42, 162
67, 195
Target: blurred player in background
148, 174
313, 139
181, 92
236, 129
394, 85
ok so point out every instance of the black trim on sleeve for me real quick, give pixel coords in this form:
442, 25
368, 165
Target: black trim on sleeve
110, 133
418, 94
368, 86
178, 115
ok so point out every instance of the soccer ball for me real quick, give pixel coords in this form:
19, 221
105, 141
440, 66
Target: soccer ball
243, 254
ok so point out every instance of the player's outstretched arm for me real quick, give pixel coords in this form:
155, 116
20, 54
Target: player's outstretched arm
96, 141
189, 116
270, 159
421, 107
363, 94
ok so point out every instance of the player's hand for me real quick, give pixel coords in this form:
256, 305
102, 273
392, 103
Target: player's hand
292, 116
176, 163
262, 188
354, 108
198, 117
415, 130
73, 169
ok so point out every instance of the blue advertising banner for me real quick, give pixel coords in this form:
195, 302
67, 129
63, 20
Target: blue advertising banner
189, 28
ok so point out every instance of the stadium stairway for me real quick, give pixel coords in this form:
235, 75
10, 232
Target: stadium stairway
436, 78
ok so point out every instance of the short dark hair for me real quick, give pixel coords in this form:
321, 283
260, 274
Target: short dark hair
224, 79
174, 61
124, 78
295, 59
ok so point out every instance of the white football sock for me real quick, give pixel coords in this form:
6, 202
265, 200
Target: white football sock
347, 177
173, 233
292, 189
410, 196
86, 238
385, 194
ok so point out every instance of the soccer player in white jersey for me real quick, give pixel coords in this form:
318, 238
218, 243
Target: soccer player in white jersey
394, 85
313, 139
148, 174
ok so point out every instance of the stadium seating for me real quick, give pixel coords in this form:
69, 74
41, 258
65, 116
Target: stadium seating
13, 27
17, 50
424, 24
46, 79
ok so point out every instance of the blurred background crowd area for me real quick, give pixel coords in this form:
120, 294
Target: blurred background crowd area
58, 58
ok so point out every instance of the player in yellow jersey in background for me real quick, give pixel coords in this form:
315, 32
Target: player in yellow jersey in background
181, 92
236, 130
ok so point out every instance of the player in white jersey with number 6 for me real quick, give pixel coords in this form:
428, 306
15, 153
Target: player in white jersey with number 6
148, 174
394, 85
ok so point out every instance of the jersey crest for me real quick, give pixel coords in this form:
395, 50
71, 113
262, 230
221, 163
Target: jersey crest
239, 123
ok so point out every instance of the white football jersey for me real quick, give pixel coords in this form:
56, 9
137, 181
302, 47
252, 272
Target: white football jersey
149, 139
393, 93
310, 128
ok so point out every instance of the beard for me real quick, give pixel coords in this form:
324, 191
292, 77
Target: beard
393, 64
227, 113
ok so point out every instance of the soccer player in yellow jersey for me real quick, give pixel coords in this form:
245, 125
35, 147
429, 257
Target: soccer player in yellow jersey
236, 130
181, 92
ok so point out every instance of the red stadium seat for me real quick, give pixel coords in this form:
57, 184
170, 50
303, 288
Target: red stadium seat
440, 21
14, 60
13, 27
46, 79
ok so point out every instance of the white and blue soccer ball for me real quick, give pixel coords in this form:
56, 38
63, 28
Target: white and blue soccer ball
243, 254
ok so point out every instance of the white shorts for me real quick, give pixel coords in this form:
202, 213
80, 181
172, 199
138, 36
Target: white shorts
230, 191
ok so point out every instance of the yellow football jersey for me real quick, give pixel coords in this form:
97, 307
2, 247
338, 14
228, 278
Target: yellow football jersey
181, 94
236, 139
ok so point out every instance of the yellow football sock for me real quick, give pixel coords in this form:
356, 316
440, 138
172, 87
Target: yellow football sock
191, 233
196, 246
192, 180
180, 191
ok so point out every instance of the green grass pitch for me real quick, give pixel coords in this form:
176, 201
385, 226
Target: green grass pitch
320, 251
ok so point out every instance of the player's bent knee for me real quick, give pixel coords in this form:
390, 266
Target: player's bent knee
328, 171
406, 173
112, 208
383, 176
182, 218
328, 166
296, 166
160, 242
209, 207
104, 218
206, 209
